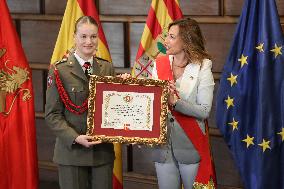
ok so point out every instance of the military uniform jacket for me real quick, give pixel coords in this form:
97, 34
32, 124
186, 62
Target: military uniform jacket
67, 125
195, 89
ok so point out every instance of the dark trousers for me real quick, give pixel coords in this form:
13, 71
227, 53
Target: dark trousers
84, 177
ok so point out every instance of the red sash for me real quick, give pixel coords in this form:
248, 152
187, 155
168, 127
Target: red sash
206, 171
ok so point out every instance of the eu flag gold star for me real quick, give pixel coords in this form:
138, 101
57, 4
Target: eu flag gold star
229, 101
281, 134
248, 140
260, 47
234, 124
264, 145
232, 79
276, 50
243, 60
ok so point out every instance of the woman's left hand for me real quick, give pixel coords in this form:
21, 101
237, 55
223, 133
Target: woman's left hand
124, 76
173, 97
172, 86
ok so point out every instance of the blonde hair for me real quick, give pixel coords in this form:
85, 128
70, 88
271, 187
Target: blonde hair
84, 20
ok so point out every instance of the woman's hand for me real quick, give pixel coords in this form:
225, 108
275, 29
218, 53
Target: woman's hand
86, 141
173, 95
124, 76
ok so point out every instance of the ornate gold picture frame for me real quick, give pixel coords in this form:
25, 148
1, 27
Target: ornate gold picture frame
128, 110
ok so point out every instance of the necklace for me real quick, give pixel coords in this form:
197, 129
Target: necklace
182, 64
179, 66
177, 71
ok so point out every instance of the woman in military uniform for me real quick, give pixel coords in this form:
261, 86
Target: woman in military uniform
82, 163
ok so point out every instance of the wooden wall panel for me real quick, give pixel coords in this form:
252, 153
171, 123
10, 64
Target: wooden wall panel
280, 7
55, 6
225, 167
234, 7
125, 166
138, 7
124, 7
38, 90
38, 39
201, 7
139, 185
136, 30
28, 6
218, 41
46, 183
45, 141
143, 159
115, 40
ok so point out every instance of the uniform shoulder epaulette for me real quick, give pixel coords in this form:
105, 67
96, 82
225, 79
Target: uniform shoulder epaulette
61, 61
101, 59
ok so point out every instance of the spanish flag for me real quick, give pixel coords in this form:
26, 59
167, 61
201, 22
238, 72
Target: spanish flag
74, 10
161, 13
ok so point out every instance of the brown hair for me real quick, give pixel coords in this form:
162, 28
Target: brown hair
191, 35
84, 20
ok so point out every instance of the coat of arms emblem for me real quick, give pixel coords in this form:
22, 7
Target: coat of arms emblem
11, 81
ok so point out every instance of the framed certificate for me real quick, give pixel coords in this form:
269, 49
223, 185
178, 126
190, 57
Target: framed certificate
128, 110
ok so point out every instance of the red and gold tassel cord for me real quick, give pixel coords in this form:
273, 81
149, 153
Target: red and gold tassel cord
66, 99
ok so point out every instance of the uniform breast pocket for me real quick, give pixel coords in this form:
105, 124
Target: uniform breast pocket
77, 94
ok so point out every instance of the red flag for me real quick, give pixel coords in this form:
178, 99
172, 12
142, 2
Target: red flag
18, 157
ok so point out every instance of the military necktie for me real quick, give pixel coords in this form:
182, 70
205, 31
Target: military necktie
87, 66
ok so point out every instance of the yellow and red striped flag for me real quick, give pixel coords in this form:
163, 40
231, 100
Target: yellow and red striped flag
161, 13
74, 10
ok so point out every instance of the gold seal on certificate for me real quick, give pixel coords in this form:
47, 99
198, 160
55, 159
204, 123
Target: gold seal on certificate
128, 110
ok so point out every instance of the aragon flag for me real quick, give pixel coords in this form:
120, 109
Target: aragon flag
18, 155
74, 10
161, 13
250, 101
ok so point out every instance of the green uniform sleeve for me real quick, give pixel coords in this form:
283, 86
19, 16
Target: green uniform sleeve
54, 113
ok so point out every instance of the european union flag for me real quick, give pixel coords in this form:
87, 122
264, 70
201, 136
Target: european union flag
250, 101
